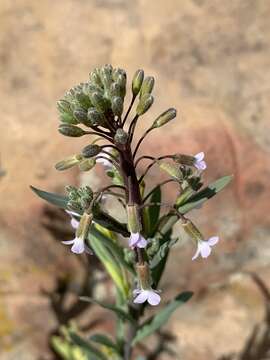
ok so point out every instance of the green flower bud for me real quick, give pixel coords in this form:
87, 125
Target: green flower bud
87, 164
117, 106
137, 82
96, 118
171, 169
147, 85
86, 191
122, 81
64, 107
133, 217
145, 103
68, 119
91, 150
95, 78
115, 90
80, 115
118, 72
74, 206
106, 76
71, 130
165, 117
121, 137
99, 102
68, 162
83, 100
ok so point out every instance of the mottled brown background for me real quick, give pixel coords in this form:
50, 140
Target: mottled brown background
211, 61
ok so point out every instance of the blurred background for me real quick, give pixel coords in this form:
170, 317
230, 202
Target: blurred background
211, 61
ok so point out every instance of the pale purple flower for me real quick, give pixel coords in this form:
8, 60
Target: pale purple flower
149, 295
106, 163
137, 240
204, 247
199, 163
78, 243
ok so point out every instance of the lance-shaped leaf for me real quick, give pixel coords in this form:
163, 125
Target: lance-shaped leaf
155, 322
116, 310
151, 213
104, 340
99, 216
110, 262
206, 193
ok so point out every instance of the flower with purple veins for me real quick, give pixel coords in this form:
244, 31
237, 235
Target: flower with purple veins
204, 247
106, 163
199, 163
137, 240
149, 295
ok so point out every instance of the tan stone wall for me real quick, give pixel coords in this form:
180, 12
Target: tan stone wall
211, 61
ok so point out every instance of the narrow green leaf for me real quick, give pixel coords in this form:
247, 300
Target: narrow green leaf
104, 340
151, 213
162, 252
90, 351
116, 310
54, 199
155, 322
206, 193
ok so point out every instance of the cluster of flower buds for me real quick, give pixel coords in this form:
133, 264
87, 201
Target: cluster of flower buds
79, 199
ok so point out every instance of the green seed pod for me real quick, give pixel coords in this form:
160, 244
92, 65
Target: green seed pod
80, 115
147, 85
83, 100
133, 217
87, 164
117, 105
71, 130
121, 137
171, 169
91, 150
145, 103
165, 117
100, 102
137, 82
68, 162
95, 117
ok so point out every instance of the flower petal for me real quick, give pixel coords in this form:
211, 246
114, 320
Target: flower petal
205, 249
213, 240
142, 297
74, 223
68, 242
153, 298
134, 237
199, 156
141, 243
78, 246
197, 253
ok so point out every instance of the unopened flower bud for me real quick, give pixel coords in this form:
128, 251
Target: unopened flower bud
99, 102
165, 117
95, 117
71, 130
144, 276
73, 205
91, 150
87, 164
106, 77
117, 105
115, 90
184, 159
133, 217
192, 230
121, 137
64, 106
118, 72
147, 85
145, 103
121, 81
80, 115
137, 82
95, 78
83, 100
171, 169
68, 162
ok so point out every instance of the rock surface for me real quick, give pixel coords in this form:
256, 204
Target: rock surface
212, 63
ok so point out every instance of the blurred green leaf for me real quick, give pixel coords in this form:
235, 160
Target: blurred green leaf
162, 252
151, 213
155, 322
104, 340
118, 312
90, 351
200, 197
54, 199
